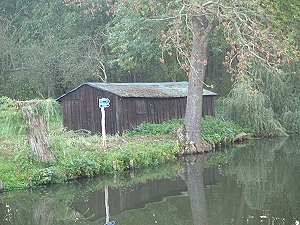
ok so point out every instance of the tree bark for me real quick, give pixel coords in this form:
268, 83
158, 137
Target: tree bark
201, 31
37, 134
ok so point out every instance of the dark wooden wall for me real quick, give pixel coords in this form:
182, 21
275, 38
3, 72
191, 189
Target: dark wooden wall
150, 110
208, 106
81, 110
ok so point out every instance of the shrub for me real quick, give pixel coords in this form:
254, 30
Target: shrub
148, 128
216, 130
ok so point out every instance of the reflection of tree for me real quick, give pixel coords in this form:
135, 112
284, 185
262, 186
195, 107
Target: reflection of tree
268, 173
177, 209
192, 173
286, 170
20, 207
261, 179
255, 194
40, 208
11, 212
226, 202
43, 212
252, 168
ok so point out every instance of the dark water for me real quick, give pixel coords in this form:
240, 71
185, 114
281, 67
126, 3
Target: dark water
258, 184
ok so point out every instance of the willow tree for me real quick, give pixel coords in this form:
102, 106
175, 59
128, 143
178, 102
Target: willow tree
249, 27
250, 30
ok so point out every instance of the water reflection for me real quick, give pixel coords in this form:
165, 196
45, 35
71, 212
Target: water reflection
128, 199
259, 184
268, 175
191, 172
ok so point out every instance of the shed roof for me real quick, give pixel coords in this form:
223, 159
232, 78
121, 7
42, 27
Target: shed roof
144, 90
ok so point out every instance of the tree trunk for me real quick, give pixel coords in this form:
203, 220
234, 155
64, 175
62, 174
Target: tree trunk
191, 171
201, 31
37, 135
1, 192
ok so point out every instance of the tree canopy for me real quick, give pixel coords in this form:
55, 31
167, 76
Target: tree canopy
250, 50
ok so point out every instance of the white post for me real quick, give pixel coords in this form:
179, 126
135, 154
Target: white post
103, 128
106, 204
1, 201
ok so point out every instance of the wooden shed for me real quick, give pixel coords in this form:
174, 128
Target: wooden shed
130, 105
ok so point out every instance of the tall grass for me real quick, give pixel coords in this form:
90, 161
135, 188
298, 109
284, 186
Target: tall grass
11, 119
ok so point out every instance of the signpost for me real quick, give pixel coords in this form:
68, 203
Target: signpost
103, 103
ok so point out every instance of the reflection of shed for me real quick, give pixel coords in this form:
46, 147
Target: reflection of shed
135, 197
130, 105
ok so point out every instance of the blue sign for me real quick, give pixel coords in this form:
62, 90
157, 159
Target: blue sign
104, 102
110, 223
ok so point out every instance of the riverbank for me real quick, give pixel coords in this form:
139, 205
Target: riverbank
80, 156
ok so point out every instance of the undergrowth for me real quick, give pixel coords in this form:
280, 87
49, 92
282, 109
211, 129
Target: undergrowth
148, 128
147, 146
219, 131
10, 118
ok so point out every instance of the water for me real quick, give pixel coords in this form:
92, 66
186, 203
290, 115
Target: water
258, 184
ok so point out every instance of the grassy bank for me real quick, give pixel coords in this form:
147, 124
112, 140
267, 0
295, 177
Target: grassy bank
78, 156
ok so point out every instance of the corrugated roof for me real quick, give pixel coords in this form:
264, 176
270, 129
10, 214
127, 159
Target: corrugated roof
146, 90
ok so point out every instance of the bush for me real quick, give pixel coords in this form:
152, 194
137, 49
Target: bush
216, 130
148, 128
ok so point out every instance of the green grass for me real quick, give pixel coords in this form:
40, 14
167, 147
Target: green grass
12, 176
148, 146
218, 130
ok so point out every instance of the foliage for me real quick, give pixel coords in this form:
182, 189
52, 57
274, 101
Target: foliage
218, 130
45, 175
46, 48
16, 170
148, 128
288, 12
77, 156
214, 130
251, 109
10, 118
50, 110
84, 166
75, 164
49, 48
289, 111
265, 100
134, 40
217, 78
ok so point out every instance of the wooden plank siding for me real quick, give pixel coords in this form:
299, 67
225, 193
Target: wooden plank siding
208, 106
80, 108
157, 110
